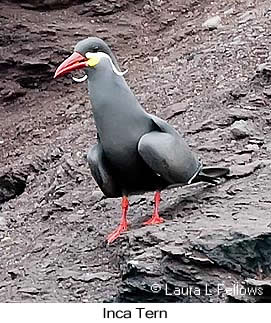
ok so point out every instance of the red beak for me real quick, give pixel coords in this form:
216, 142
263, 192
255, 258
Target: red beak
75, 62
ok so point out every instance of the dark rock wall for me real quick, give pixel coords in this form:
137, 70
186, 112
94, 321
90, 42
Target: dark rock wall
46, 4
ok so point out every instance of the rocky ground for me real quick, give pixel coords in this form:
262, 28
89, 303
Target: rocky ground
210, 79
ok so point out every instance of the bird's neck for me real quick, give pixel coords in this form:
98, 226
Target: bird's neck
116, 111
112, 99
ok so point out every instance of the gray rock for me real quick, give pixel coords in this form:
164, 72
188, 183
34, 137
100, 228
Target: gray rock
14, 273
136, 200
267, 91
29, 290
212, 23
240, 114
210, 147
241, 129
154, 272
249, 15
229, 12
88, 277
96, 196
256, 140
252, 147
75, 218
258, 101
244, 170
268, 147
64, 274
264, 68
3, 223
240, 159
175, 109
38, 247
258, 282
238, 92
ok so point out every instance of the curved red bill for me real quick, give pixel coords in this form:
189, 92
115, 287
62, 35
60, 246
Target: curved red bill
75, 62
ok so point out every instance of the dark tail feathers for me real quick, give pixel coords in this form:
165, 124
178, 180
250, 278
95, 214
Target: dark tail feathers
211, 174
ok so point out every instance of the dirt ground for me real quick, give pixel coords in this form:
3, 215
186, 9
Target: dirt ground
213, 85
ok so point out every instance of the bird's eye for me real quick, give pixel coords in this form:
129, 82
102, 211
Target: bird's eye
95, 49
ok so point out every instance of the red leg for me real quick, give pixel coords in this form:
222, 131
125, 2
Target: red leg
155, 219
123, 222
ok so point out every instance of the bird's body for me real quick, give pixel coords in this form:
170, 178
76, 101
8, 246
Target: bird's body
136, 152
110, 116
121, 124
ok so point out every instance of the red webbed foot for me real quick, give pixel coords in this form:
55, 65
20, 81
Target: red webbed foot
155, 219
116, 233
123, 223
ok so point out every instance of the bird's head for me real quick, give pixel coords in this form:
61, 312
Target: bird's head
87, 54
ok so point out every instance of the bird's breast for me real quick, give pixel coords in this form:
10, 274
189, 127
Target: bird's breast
119, 139
120, 122
120, 147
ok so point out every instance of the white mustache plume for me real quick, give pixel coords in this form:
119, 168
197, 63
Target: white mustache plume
80, 80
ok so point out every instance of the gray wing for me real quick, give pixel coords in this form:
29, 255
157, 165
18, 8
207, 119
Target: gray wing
164, 126
168, 155
101, 172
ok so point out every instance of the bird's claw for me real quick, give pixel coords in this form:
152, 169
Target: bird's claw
155, 219
115, 234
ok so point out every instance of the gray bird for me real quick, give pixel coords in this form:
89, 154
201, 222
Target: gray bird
136, 152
